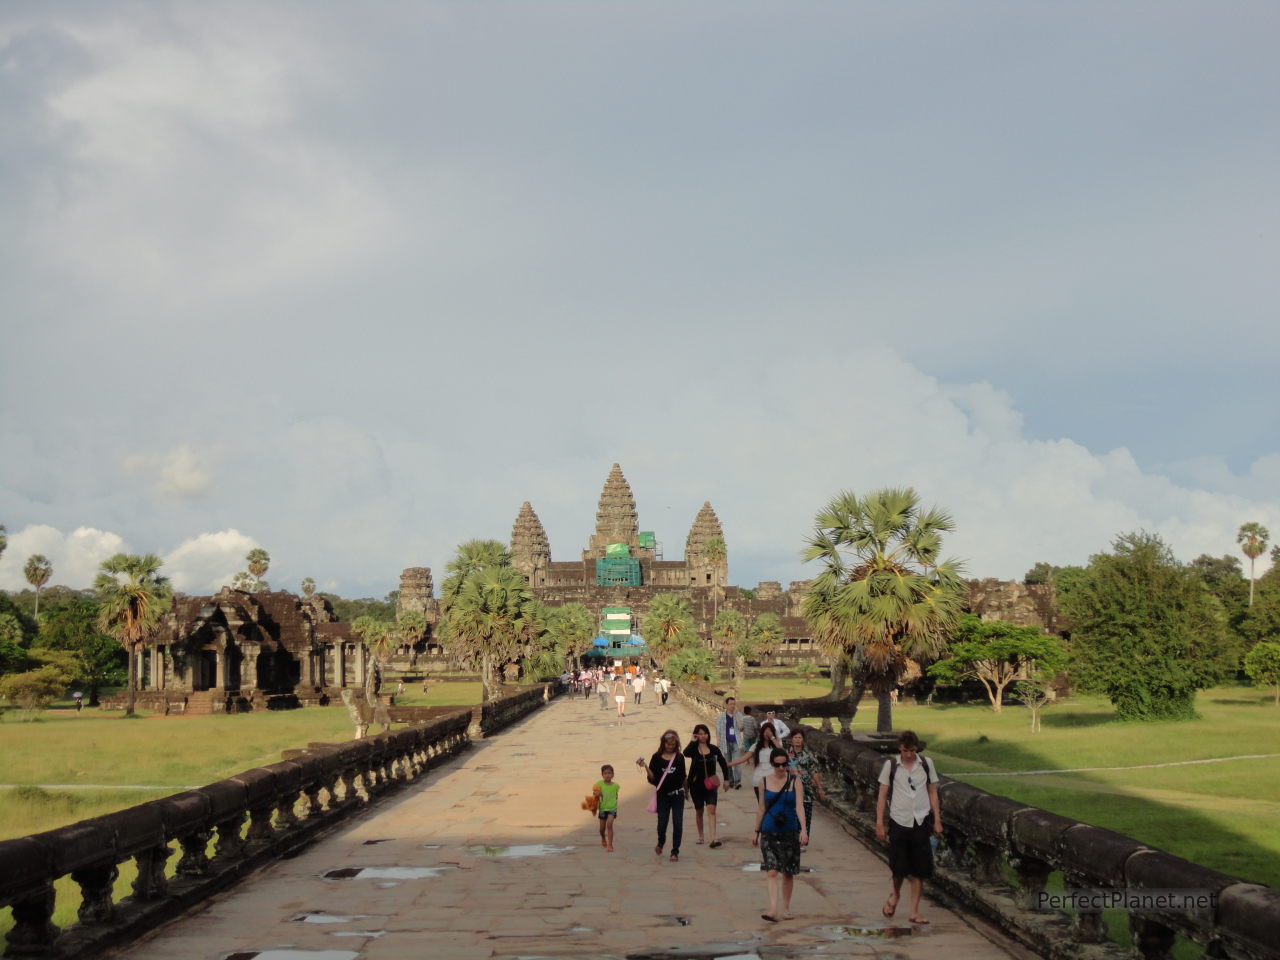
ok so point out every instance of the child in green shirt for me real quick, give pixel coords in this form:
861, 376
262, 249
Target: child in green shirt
607, 812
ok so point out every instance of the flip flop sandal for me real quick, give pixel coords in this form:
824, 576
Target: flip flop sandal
714, 844
921, 921
765, 916
890, 907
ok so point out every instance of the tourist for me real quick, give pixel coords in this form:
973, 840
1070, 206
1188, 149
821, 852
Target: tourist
704, 781
750, 727
780, 728
805, 766
729, 736
584, 678
759, 756
638, 686
909, 792
607, 812
602, 688
620, 696
666, 771
664, 687
781, 831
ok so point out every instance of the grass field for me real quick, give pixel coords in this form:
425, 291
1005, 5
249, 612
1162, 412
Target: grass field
1224, 815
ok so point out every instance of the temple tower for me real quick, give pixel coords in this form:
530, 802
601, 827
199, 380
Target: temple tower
530, 549
703, 571
616, 519
415, 593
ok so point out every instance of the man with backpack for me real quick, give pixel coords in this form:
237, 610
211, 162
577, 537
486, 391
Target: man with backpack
909, 795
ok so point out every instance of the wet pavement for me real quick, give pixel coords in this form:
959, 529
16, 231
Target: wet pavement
492, 856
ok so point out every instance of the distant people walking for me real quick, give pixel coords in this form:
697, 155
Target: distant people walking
637, 685
706, 763
667, 772
781, 831
805, 766
78, 697
602, 688
607, 792
729, 737
750, 729
779, 727
664, 687
909, 793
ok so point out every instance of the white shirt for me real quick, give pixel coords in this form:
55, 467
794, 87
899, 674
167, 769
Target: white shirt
779, 727
909, 804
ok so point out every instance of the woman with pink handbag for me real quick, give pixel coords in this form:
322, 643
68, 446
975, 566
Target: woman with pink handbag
666, 771
704, 756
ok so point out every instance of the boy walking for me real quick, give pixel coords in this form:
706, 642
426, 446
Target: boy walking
607, 812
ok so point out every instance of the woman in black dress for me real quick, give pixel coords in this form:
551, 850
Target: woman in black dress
666, 771
704, 756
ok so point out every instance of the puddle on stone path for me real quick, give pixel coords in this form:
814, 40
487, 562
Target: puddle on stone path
385, 873
370, 934
754, 867
517, 850
317, 916
862, 934
290, 954
430, 846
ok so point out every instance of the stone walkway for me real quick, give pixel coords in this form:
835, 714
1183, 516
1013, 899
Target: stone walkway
492, 856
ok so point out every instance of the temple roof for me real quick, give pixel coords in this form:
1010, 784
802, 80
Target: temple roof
706, 526
529, 543
616, 520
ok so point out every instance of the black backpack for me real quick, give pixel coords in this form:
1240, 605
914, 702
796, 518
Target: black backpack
930, 774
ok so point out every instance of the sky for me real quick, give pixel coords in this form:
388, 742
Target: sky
351, 282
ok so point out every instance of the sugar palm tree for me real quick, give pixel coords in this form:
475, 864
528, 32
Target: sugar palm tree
766, 634
715, 551
4, 539
668, 626
379, 639
259, 561
488, 622
731, 633
132, 597
308, 586
882, 595
1253, 542
572, 628
38, 570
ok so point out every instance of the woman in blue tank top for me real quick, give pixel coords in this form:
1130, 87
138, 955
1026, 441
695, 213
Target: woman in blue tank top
780, 831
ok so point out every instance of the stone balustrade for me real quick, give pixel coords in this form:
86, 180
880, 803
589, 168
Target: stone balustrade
996, 856
219, 833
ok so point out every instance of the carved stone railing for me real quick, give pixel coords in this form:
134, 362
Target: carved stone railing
989, 840
490, 717
251, 819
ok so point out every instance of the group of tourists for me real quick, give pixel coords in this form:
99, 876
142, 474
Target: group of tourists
786, 778
616, 686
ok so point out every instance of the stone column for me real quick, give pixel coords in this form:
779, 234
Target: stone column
362, 665
340, 648
249, 666
220, 680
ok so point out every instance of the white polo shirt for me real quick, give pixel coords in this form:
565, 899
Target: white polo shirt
909, 802
780, 728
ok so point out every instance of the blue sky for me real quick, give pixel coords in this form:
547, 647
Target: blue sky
352, 283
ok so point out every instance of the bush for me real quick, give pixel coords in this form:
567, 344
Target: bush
35, 689
693, 663
1262, 665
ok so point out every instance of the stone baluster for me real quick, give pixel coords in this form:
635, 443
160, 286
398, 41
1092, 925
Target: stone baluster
230, 844
1152, 940
96, 884
1032, 875
1086, 925
151, 883
195, 853
33, 933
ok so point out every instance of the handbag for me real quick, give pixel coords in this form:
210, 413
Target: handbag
712, 783
652, 806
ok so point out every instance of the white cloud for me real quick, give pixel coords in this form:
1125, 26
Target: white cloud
205, 563
180, 473
75, 556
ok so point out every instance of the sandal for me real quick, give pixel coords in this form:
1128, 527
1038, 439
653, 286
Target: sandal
919, 921
765, 916
675, 857
890, 906
714, 844
658, 849
699, 841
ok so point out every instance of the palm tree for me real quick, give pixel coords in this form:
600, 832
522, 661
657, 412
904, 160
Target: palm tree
883, 595
1253, 541
490, 621
572, 628
473, 556
379, 639
668, 627
715, 551
731, 633
38, 571
4, 539
308, 586
766, 634
132, 597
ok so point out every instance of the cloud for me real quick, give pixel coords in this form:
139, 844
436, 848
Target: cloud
179, 473
75, 556
205, 563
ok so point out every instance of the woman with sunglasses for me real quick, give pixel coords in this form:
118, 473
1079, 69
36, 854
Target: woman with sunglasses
704, 756
666, 771
781, 831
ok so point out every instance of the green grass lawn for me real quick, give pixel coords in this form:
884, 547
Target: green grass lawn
1223, 815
